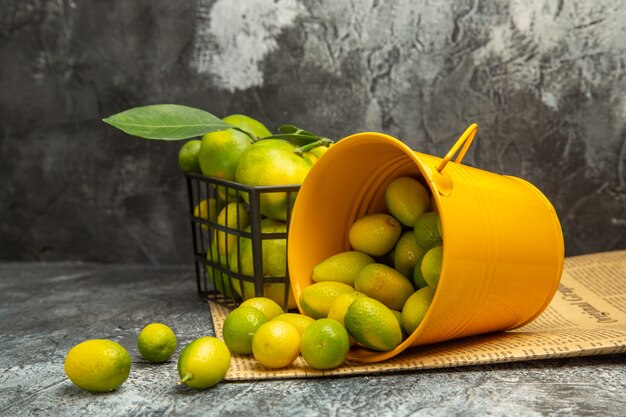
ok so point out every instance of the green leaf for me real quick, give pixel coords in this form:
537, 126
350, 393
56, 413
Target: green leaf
299, 137
166, 122
293, 129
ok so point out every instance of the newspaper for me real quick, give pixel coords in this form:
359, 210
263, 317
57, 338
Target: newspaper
587, 316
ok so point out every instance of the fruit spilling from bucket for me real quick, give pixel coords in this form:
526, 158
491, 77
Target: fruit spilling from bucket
489, 247
380, 289
259, 328
373, 295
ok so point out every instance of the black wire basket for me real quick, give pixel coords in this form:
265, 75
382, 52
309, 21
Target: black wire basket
229, 257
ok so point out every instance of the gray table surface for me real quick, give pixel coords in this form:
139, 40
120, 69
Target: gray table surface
46, 308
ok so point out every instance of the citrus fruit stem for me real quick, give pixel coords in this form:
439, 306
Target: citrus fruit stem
310, 140
250, 135
321, 141
188, 377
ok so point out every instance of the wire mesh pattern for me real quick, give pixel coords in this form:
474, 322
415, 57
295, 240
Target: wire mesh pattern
230, 236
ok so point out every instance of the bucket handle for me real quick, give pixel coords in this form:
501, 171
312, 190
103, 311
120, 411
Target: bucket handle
465, 141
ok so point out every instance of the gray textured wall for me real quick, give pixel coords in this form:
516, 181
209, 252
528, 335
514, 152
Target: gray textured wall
544, 80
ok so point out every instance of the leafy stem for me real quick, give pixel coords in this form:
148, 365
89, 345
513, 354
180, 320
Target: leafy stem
320, 142
304, 140
176, 122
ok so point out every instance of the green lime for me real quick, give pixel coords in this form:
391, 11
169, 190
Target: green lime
203, 363
384, 284
431, 265
340, 306
207, 209
375, 234
188, 156
316, 299
418, 277
220, 152
221, 281
415, 308
407, 199
398, 315
325, 344
373, 324
406, 254
156, 343
274, 258
239, 327
272, 162
428, 230
341, 267
233, 216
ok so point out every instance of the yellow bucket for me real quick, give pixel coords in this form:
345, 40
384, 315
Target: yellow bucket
503, 245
